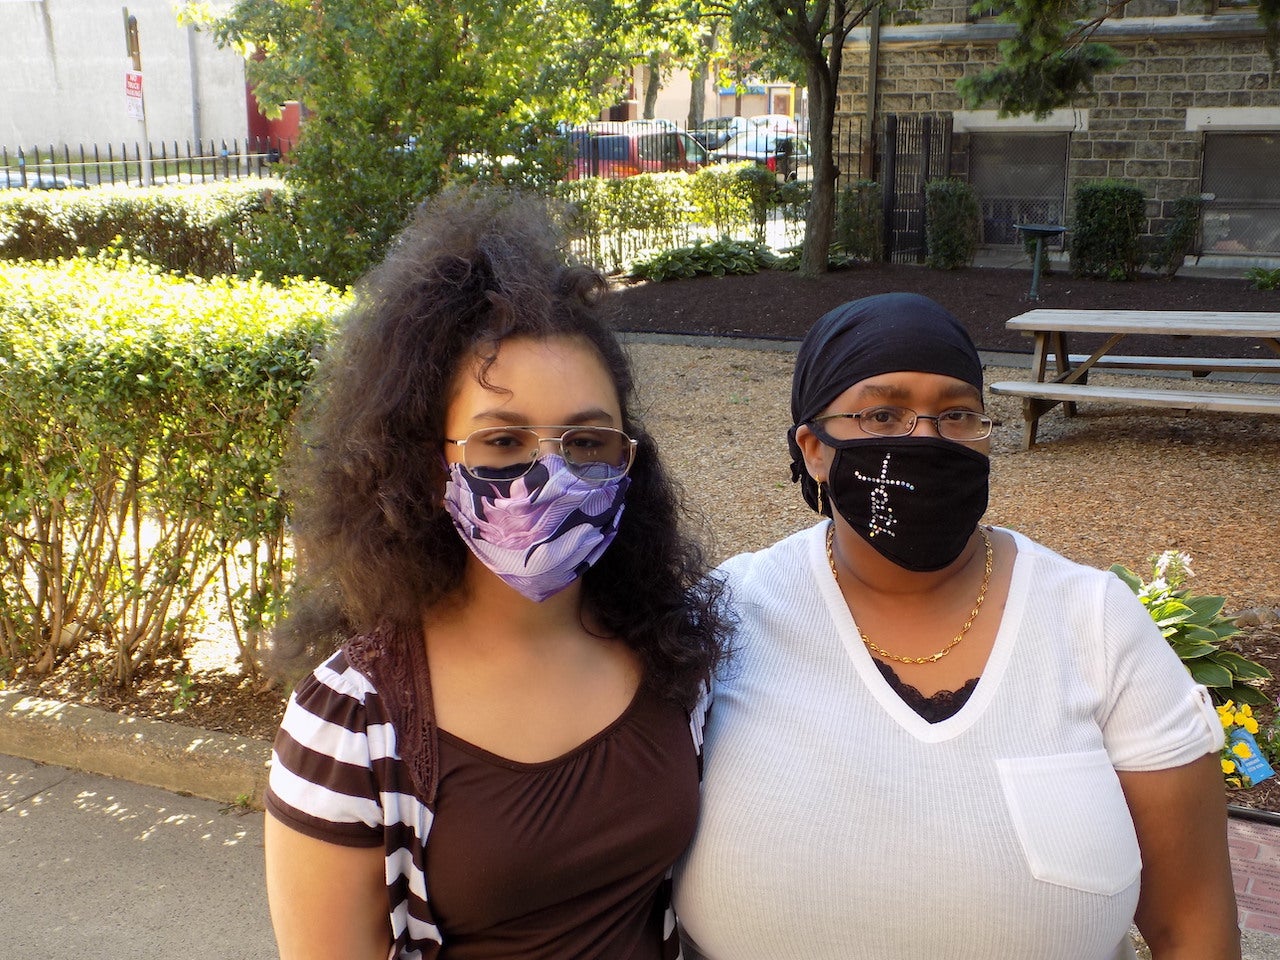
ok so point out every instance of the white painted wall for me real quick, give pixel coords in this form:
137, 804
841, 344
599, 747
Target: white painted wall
65, 62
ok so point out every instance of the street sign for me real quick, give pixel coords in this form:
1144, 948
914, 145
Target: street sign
133, 94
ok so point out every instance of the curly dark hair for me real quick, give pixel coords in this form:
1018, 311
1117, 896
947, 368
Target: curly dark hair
375, 543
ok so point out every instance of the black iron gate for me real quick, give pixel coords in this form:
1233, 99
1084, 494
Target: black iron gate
914, 149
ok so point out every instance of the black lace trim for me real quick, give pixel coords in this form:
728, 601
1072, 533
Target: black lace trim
941, 706
395, 663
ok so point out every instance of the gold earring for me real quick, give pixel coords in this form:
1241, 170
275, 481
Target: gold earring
821, 512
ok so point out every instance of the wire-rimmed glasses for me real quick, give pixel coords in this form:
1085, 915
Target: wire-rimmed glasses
961, 425
594, 454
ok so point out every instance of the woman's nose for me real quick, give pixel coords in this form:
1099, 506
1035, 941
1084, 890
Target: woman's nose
929, 425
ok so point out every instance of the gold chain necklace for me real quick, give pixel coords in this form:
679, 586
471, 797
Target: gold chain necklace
973, 614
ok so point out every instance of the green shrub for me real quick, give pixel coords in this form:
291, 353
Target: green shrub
952, 221
761, 187
1261, 278
614, 223
858, 232
722, 198
1195, 628
142, 422
1180, 235
617, 221
718, 258
1106, 233
199, 230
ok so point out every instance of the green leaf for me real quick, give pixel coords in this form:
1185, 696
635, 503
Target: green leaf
1131, 579
1206, 607
1192, 651
1210, 674
1190, 631
1243, 693
1242, 667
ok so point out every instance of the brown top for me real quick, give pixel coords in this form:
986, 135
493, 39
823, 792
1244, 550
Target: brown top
566, 858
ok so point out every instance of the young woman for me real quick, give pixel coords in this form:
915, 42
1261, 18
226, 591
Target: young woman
940, 739
502, 758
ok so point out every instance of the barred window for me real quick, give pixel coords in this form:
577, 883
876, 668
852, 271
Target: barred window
1242, 208
1019, 178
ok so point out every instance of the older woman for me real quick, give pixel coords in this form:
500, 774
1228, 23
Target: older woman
940, 739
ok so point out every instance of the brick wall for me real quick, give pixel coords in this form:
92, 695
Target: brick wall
1136, 115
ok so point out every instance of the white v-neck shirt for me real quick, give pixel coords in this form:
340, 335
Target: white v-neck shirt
837, 824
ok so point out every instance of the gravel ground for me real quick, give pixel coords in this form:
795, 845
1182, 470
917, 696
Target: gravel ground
1112, 485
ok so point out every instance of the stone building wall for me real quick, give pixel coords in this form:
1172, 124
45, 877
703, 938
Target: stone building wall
1134, 125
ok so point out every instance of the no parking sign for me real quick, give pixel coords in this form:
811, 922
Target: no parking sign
133, 94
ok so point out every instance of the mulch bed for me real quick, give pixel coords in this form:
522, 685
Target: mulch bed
782, 305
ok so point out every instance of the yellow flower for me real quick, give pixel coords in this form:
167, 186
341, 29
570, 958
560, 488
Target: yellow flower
1241, 717
1251, 724
1241, 750
1228, 766
1226, 717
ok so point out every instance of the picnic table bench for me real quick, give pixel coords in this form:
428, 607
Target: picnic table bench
1069, 381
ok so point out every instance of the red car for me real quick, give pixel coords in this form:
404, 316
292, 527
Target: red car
615, 151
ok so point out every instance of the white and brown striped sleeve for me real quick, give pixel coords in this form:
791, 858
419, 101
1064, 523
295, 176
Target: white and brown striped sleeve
322, 781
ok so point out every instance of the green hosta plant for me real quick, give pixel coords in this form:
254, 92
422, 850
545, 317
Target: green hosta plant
1195, 628
718, 258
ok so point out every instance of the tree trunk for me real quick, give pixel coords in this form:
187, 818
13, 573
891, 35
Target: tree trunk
698, 78
821, 216
652, 83
697, 95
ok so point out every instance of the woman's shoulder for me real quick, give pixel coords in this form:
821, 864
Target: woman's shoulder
784, 553
1052, 567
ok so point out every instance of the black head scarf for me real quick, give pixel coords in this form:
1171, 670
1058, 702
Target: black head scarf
887, 333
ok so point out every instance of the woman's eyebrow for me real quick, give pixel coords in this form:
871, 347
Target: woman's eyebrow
514, 418
889, 391
886, 391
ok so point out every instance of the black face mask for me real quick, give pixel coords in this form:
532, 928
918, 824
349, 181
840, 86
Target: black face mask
916, 500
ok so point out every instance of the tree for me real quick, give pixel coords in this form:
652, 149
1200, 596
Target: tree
1050, 60
809, 39
404, 96
1052, 57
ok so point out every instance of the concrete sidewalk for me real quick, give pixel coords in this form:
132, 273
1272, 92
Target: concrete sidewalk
92, 866
103, 868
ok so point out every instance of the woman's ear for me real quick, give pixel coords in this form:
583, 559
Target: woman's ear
817, 455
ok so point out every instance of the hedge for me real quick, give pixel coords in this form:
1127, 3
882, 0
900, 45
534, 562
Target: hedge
618, 222
143, 418
201, 230
1106, 232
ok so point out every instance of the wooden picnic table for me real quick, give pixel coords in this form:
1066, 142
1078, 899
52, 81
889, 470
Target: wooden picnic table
1068, 382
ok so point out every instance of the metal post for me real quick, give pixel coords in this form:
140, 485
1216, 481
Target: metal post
1035, 270
888, 196
133, 46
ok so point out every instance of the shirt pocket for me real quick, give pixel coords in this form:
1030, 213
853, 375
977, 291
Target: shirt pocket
1072, 821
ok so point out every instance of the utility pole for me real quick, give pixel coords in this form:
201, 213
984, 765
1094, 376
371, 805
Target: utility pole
135, 103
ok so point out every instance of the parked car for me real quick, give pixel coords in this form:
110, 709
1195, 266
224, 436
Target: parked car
787, 156
776, 123
623, 150
12, 180
717, 131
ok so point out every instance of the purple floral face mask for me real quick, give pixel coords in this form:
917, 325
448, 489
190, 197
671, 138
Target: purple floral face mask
538, 532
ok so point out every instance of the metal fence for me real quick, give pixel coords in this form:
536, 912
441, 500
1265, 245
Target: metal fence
138, 164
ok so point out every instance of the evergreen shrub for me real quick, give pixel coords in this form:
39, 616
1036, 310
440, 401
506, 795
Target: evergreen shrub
1180, 235
952, 223
1107, 229
858, 232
